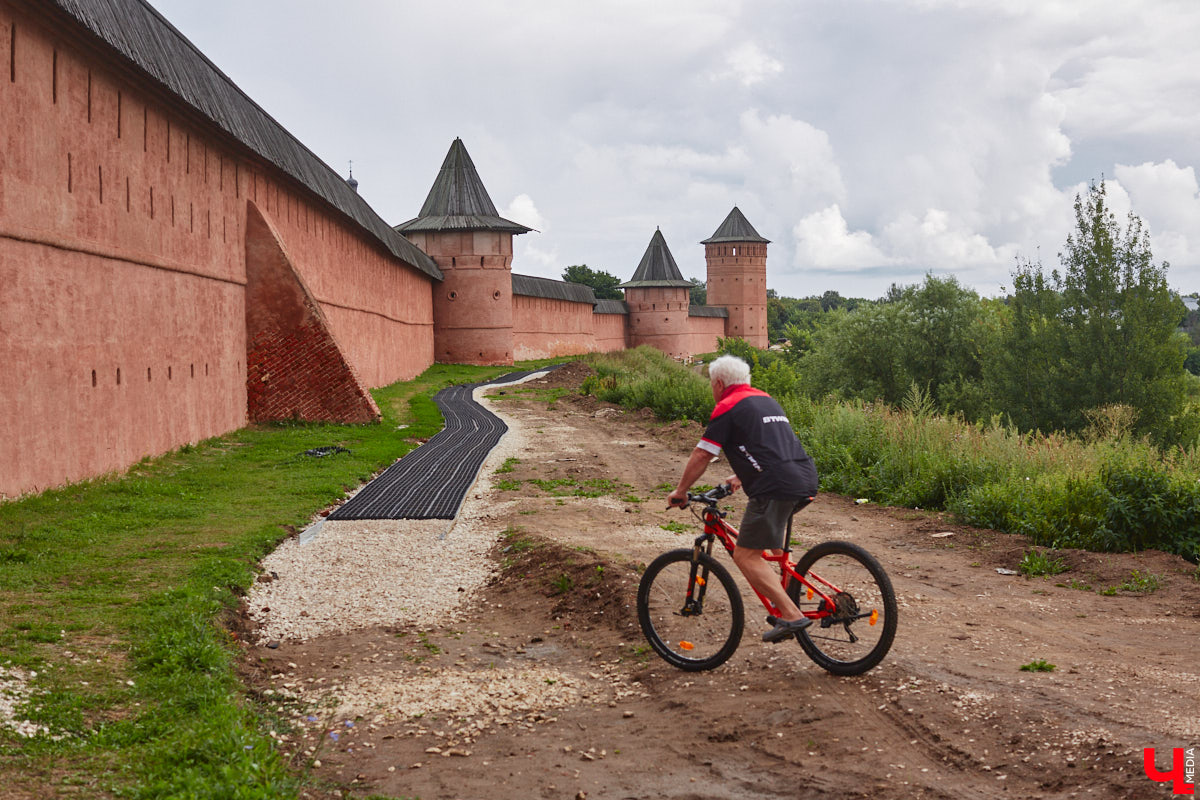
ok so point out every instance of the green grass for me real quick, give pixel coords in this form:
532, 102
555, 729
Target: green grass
113, 591
1040, 665
1034, 564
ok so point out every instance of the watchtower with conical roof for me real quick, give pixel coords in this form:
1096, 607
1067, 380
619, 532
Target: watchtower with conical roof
737, 277
459, 228
658, 299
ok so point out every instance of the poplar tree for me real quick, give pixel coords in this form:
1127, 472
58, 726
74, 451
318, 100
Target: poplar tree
1102, 332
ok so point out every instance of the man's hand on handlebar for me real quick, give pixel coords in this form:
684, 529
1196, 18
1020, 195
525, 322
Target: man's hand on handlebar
677, 499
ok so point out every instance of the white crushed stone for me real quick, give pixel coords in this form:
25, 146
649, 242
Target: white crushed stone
14, 693
361, 573
492, 694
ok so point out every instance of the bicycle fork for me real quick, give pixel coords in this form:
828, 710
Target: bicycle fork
693, 603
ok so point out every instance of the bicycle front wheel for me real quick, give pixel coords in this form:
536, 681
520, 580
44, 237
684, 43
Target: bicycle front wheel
694, 630
858, 621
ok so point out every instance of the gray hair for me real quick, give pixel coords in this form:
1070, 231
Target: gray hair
729, 370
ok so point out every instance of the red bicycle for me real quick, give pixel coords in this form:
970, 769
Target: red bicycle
691, 611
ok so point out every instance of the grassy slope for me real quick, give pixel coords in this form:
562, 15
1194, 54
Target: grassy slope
111, 591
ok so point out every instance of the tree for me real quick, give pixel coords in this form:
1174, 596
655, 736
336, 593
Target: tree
1102, 332
699, 292
604, 285
933, 335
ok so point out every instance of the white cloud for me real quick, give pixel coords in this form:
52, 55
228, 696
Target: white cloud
522, 210
748, 65
823, 240
1167, 197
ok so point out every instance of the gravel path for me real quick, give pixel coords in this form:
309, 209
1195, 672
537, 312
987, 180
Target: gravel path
360, 573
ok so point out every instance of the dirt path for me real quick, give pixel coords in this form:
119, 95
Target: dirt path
547, 688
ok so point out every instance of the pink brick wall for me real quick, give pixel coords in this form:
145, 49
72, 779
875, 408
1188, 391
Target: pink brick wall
611, 332
122, 253
704, 332
545, 328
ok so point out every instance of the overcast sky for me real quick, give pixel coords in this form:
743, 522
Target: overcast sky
871, 142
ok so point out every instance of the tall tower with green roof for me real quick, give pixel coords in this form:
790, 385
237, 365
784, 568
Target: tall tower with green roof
658, 299
459, 228
737, 277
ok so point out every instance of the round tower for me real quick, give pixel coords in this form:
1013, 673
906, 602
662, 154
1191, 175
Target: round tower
658, 299
459, 228
737, 277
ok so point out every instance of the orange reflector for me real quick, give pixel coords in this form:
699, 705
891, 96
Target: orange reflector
686, 646
699, 581
874, 616
810, 593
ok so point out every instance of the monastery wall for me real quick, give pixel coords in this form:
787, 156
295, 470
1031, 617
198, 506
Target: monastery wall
546, 328
122, 262
611, 332
704, 332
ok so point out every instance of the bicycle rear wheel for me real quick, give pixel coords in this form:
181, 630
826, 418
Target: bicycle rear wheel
696, 633
861, 625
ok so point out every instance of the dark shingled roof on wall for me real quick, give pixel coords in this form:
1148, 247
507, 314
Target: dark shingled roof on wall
708, 311
657, 268
611, 307
142, 36
533, 286
735, 228
459, 201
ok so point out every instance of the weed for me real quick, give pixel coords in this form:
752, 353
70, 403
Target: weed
1034, 564
675, 527
508, 466
508, 485
1142, 583
562, 584
1040, 665
631, 498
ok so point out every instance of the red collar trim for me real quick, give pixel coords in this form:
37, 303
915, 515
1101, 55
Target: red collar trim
733, 395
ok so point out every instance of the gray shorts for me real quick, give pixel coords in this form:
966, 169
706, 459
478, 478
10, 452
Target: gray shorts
764, 526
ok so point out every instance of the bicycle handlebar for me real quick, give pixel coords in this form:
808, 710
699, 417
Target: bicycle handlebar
712, 495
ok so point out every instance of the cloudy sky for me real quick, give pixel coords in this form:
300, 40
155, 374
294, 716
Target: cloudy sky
871, 142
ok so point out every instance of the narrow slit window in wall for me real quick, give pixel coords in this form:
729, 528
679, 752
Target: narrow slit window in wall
12, 53
100, 179
93, 379
69, 176
118, 376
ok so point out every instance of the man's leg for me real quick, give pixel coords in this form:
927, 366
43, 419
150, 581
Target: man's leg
764, 577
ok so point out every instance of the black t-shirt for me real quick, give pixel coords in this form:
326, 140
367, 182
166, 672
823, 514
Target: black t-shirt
761, 447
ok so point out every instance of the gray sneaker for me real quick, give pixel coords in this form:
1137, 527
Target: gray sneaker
785, 629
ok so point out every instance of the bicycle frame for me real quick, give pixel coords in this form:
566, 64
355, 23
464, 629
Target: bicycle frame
715, 527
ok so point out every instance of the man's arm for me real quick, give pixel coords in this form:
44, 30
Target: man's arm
697, 463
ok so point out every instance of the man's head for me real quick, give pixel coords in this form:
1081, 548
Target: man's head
727, 371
